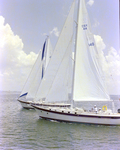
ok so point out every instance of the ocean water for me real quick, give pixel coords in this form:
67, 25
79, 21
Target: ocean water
22, 129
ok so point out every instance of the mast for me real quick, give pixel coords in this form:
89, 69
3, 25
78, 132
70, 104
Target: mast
72, 101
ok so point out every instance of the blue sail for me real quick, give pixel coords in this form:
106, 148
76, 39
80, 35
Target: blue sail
43, 51
24, 94
42, 72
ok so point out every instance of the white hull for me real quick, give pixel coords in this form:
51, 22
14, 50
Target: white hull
26, 104
78, 117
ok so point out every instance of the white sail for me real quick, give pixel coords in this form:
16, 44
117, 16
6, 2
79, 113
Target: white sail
35, 84
37, 72
49, 52
87, 85
60, 86
31, 76
58, 55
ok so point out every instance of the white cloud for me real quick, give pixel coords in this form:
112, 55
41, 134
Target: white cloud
55, 31
15, 64
110, 66
90, 2
99, 42
113, 71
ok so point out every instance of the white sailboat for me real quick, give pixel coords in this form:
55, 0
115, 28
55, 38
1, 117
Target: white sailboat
32, 84
87, 83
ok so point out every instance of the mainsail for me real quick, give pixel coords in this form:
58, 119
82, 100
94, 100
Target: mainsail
88, 84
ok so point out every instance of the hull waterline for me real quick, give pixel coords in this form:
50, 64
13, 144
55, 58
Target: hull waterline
77, 117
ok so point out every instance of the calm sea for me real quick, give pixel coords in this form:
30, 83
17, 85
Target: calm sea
21, 129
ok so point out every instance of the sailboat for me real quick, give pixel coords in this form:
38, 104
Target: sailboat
34, 79
87, 84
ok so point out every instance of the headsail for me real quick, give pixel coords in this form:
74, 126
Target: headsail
60, 86
58, 55
37, 72
88, 85
32, 75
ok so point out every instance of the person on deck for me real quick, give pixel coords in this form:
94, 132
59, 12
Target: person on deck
95, 109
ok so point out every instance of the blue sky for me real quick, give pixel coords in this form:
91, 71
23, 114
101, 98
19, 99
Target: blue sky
30, 19
26, 23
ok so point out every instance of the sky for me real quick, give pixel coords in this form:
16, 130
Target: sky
24, 25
